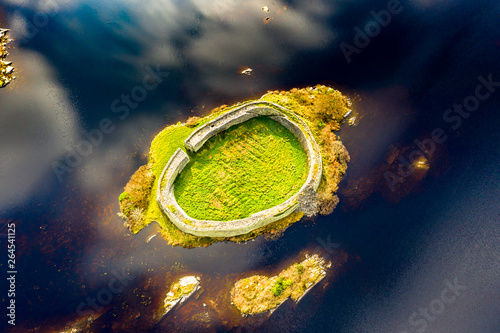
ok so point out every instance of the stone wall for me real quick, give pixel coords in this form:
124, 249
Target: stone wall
233, 117
165, 192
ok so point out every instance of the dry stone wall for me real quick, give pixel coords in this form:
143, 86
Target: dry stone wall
165, 192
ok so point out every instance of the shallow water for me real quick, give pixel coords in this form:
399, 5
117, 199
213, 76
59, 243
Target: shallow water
76, 68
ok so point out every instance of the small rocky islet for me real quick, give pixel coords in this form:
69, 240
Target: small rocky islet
6, 68
260, 294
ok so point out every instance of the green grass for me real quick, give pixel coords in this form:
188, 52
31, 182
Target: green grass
248, 168
162, 148
280, 285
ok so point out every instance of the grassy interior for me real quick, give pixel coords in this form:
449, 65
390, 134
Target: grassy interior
228, 178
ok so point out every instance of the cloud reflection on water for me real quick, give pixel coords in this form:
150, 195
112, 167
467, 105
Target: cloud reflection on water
37, 121
192, 36
107, 44
188, 37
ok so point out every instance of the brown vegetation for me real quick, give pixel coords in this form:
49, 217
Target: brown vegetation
324, 109
134, 200
259, 293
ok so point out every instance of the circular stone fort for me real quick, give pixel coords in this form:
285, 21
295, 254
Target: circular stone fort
209, 228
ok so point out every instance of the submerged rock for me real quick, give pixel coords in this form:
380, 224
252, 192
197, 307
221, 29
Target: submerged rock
81, 325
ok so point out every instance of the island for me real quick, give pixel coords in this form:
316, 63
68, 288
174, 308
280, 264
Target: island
243, 170
6, 69
180, 291
260, 294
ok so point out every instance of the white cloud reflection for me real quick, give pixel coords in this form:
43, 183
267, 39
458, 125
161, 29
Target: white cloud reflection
228, 35
217, 37
37, 122
222, 36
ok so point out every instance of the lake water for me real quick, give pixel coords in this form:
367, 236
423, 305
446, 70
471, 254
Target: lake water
77, 61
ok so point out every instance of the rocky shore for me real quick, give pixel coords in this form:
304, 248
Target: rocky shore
6, 69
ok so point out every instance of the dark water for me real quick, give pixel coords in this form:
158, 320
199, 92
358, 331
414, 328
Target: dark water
75, 59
